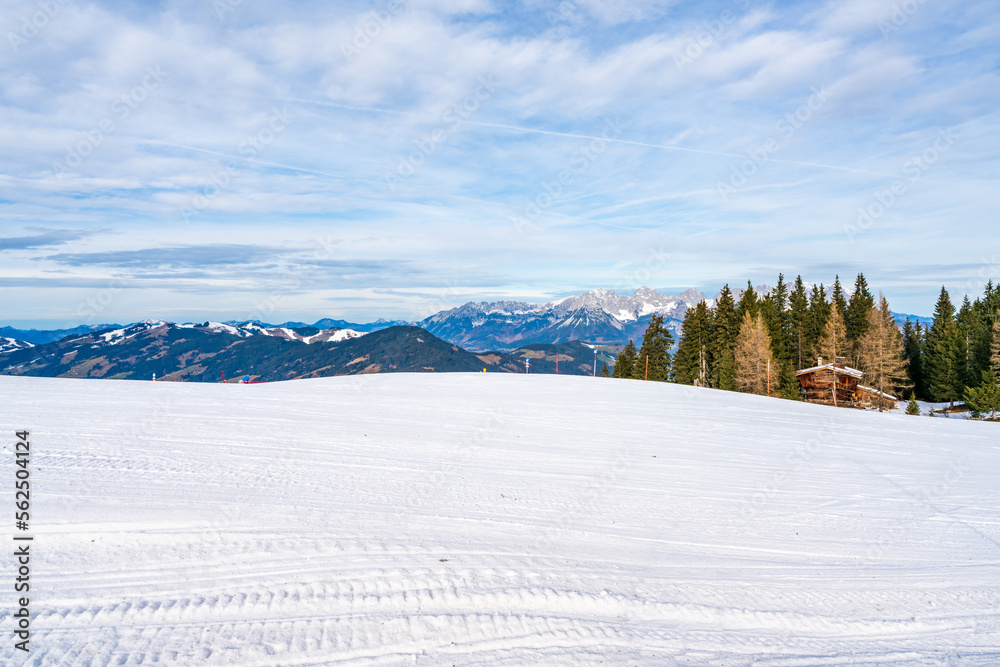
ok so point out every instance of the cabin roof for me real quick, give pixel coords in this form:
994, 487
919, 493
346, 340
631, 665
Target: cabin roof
847, 370
877, 392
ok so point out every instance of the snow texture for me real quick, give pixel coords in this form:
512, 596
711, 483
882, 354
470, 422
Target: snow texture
493, 519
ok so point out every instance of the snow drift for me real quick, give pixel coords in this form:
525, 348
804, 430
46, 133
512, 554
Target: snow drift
498, 519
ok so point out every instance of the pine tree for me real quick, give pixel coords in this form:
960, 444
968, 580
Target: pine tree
977, 324
913, 348
774, 308
777, 319
880, 352
725, 328
754, 359
655, 352
856, 313
749, 303
691, 361
837, 296
788, 382
604, 372
685, 361
819, 313
985, 397
995, 349
991, 335
833, 342
970, 325
942, 363
625, 364
798, 316
913, 408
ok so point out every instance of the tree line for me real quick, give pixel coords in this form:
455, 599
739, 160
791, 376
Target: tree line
756, 343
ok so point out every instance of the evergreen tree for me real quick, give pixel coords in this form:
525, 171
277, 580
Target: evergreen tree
979, 322
685, 361
703, 330
942, 361
749, 303
798, 319
856, 313
604, 372
985, 397
833, 342
754, 359
691, 363
625, 364
725, 328
774, 308
788, 382
655, 352
819, 313
991, 315
913, 347
969, 326
880, 352
837, 296
913, 408
995, 349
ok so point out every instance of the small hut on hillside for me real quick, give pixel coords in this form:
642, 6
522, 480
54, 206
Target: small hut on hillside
869, 397
833, 384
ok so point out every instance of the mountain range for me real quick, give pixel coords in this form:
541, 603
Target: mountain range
215, 351
498, 334
599, 316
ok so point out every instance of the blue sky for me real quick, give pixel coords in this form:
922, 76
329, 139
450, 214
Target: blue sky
288, 161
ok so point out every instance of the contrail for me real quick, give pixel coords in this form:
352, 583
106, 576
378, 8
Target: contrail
532, 130
261, 162
679, 148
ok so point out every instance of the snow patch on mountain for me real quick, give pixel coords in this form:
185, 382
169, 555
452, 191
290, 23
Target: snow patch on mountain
116, 336
11, 344
248, 329
345, 334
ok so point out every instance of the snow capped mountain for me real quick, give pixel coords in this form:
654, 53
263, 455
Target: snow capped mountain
599, 316
302, 334
11, 344
116, 336
645, 301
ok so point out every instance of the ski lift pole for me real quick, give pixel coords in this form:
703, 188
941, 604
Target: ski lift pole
595, 362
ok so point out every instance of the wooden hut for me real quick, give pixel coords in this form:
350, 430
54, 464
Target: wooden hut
833, 384
870, 397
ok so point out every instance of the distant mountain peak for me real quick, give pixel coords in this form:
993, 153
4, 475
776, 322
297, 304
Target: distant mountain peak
598, 316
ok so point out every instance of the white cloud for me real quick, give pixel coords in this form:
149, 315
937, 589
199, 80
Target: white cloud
356, 119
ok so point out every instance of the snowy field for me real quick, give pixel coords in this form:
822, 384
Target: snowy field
493, 519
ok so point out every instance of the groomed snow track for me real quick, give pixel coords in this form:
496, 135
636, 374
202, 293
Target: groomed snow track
492, 519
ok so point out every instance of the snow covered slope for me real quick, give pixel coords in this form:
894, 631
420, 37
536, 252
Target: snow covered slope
498, 519
11, 344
